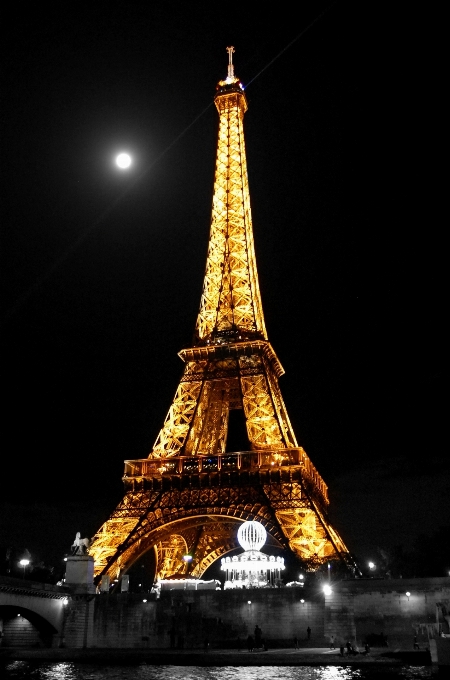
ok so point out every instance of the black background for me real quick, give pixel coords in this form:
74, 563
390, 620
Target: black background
102, 270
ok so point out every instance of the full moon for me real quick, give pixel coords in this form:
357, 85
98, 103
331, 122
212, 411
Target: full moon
123, 160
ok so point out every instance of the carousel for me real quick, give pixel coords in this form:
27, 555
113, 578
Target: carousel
252, 568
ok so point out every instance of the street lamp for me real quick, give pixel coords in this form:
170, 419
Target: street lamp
187, 559
24, 563
327, 590
371, 566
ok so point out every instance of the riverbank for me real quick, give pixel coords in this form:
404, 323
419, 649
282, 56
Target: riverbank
213, 657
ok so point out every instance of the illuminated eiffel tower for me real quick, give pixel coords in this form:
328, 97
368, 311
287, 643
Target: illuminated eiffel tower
189, 496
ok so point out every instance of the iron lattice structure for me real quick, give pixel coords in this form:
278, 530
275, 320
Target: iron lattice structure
190, 495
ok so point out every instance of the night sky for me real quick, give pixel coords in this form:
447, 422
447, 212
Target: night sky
102, 270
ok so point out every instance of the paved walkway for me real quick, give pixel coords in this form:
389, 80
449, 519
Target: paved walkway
213, 657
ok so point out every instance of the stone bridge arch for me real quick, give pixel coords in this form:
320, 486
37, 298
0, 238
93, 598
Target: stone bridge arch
24, 627
36, 609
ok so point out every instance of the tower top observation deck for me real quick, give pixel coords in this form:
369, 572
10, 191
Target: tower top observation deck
231, 85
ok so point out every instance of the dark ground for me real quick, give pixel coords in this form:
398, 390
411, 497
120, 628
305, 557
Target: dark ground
285, 657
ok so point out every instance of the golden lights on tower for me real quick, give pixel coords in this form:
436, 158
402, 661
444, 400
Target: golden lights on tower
190, 494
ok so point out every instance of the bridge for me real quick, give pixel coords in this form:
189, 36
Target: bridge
31, 613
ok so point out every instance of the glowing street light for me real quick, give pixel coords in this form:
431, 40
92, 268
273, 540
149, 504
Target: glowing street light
187, 559
371, 566
24, 563
327, 590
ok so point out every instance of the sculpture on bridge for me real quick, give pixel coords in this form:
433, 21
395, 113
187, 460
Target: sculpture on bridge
80, 546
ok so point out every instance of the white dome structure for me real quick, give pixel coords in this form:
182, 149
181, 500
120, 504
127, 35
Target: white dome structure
252, 568
251, 535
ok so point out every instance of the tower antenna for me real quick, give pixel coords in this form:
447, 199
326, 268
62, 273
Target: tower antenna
230, 51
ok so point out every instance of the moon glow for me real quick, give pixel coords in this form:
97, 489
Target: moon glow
123, 161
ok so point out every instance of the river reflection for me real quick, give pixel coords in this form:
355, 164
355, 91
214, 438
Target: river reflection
24, 670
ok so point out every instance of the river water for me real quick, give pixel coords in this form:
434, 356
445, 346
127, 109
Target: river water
25, 670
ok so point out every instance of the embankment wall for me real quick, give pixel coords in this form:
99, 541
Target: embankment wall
355, 609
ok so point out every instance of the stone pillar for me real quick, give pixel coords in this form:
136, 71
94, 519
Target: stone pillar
79, 628
339, 617
80, 574
105, 583
80, 615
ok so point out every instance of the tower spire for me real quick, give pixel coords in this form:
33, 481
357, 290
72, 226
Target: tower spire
230, 51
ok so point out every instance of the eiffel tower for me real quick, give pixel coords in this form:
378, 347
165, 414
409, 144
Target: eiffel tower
189, 496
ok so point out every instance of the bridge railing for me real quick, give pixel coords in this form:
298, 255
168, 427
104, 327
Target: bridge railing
28, 586
225, 462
